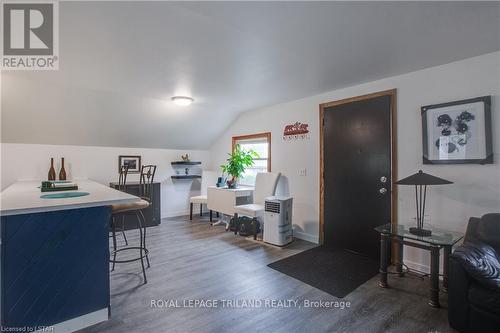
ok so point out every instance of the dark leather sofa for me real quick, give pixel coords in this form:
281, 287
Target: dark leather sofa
474, 278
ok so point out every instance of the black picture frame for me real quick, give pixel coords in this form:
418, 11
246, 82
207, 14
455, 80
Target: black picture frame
449, 125
135, 160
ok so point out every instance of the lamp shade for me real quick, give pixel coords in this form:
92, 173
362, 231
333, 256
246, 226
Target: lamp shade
422, 178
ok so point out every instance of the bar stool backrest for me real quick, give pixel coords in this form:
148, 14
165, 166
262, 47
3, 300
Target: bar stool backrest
122, 180
146, 182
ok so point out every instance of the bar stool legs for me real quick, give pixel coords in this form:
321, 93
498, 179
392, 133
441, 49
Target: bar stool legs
142, 245
144, 242
123, 230
143, 251
113, 227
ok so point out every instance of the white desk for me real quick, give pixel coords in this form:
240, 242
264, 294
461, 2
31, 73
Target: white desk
223, 199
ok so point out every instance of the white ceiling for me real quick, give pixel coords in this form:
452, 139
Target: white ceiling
120, 62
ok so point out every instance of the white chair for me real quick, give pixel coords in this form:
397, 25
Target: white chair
208, 178
265, 186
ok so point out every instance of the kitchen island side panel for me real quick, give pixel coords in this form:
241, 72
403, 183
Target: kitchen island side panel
54, 266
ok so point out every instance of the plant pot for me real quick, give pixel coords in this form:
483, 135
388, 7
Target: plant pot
232, 184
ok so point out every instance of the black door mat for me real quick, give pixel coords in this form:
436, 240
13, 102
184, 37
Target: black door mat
335, 271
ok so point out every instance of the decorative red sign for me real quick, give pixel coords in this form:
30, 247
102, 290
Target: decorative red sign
297, 131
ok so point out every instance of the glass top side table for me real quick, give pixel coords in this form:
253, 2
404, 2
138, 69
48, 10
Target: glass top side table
440, 239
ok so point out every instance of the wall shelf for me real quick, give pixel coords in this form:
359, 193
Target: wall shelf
185, 163
185, 176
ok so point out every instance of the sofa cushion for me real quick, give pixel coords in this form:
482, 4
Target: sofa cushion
252, 210
199, 199
481, 262
484, 298
129, 207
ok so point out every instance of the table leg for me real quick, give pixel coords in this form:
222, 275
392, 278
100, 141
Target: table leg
384, 259
221, 221
211, 215
399, 265
446, 266
434, 280
114, 241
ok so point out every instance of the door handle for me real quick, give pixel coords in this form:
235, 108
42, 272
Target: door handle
383, 190
383, 179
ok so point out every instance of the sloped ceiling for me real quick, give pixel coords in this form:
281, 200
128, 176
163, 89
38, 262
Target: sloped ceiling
121, 62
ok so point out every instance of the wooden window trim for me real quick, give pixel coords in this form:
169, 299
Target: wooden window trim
266, 135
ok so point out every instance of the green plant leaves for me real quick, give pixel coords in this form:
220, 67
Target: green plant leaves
238, 161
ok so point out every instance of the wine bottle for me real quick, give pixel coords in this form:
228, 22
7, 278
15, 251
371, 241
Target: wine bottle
52, 171
62, 172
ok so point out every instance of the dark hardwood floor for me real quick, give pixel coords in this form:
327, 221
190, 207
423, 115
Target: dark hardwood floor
192, 260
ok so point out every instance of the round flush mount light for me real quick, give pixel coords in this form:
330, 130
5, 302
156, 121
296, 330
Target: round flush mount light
182, 100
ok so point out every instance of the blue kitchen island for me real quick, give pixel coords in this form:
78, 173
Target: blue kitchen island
54, 257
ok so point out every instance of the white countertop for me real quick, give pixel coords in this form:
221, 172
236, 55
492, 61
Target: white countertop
23, 197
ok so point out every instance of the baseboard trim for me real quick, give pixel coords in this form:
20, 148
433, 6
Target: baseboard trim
417, 266
297, 234
305, 236
79, 323
181, 213
178, 213
422, 268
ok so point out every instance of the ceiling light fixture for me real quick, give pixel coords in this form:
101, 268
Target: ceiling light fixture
182, 100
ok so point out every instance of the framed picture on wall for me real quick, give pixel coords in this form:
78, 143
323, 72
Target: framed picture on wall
458, 132
133, 162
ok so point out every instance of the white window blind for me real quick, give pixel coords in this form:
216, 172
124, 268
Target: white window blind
261, 146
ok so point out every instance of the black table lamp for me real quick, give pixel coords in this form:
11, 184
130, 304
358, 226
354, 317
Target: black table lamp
421, 179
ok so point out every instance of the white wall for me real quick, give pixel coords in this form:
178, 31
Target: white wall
476, 188
31, 161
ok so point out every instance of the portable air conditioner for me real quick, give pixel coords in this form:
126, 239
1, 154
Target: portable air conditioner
278, 220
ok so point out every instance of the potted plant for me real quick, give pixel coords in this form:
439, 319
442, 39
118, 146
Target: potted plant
238, 160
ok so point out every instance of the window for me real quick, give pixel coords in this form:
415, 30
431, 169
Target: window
260, 143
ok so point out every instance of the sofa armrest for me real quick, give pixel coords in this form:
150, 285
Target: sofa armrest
480, 261
458, 288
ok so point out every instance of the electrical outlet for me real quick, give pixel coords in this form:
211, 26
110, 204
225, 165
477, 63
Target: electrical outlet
303, 172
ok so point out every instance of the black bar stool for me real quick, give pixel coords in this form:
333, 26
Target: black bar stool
135, 209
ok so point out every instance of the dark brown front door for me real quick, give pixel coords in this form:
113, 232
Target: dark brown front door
357, 176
